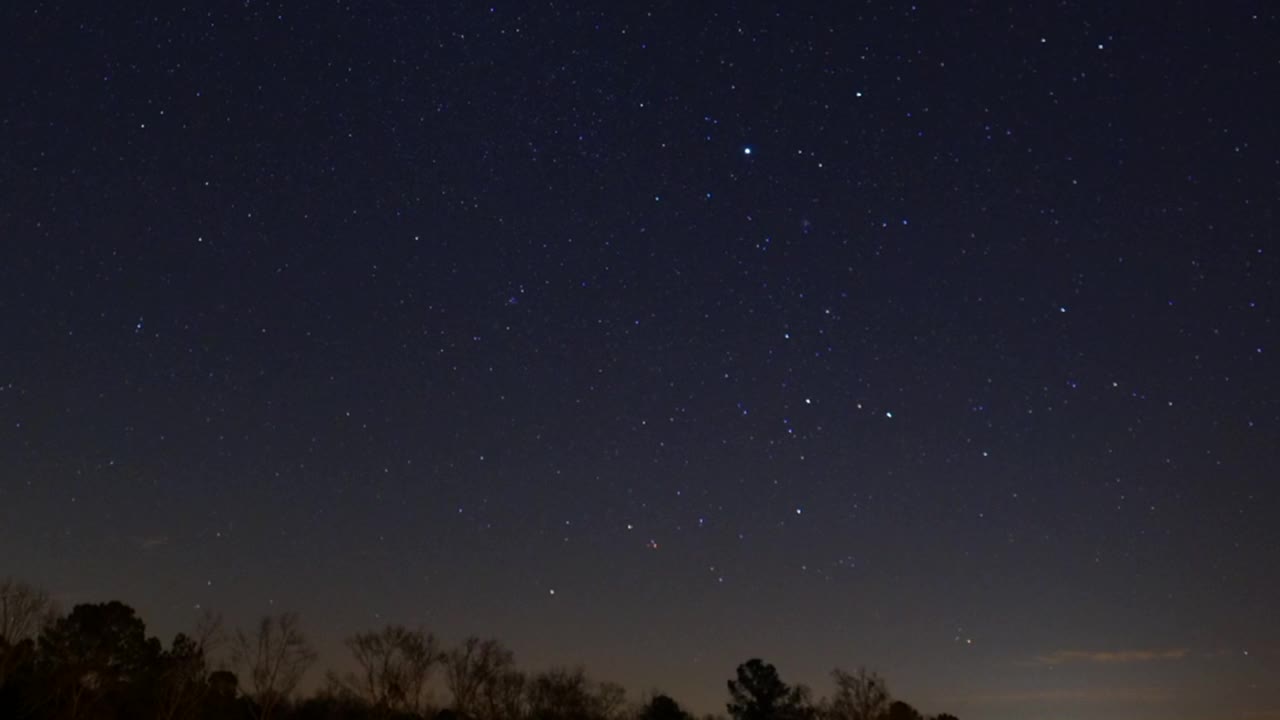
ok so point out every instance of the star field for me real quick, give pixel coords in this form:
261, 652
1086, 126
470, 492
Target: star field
928, 337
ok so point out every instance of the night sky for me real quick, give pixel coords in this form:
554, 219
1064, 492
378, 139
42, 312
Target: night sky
938, 338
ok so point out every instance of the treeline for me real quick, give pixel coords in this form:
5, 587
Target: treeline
97, 663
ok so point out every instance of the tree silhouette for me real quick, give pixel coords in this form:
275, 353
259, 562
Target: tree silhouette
89, 661
274, 658
222, 701
663, 707
610, 700
470, 667
17, 685
24, 611
759, 694
564, 694
183, 679
97, 663
859, 696
504, 696
395, 665
900, 710
341, 705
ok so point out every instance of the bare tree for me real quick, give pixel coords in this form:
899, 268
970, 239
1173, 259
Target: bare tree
564, 694
274, 659
611, 700
24, 611
859, 696
503, 697
471, 666
395, 665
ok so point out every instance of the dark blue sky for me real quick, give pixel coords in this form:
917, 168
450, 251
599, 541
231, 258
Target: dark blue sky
937, 338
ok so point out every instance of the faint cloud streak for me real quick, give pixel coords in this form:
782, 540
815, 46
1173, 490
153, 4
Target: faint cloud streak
1109, 657
1078, 695
151, 542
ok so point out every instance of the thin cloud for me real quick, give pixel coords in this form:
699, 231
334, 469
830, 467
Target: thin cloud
1078, 695
1109, 657
151, 542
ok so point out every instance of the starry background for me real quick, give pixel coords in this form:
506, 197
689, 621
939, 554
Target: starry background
938, 338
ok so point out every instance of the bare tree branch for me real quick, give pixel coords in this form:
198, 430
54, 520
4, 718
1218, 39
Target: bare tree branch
471, 666
859, 696
395, 665
24, 611
503, 697
274, 659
